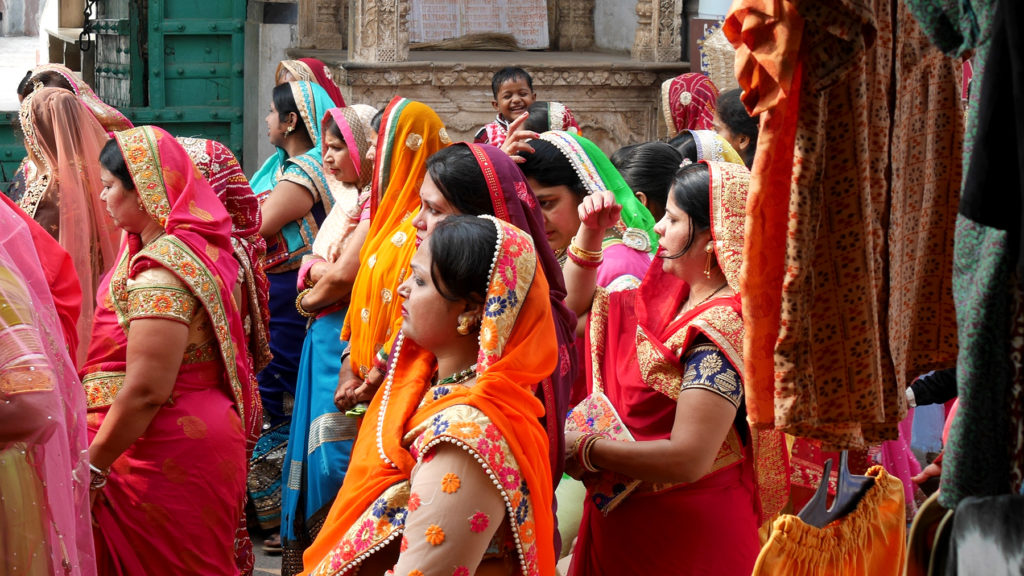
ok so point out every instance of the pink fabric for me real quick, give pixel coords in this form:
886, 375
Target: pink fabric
689, 101
324, 79
174, 498
56, 452
898, 460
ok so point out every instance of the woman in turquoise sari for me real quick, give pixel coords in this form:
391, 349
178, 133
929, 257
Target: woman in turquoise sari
294, 200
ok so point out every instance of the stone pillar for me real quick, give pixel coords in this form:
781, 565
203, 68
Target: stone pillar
575, 25
378, 31
322, 24
658, 30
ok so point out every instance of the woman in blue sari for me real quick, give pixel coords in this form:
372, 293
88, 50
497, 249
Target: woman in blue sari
294, 200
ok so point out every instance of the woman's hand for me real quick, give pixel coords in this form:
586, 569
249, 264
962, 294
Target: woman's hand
516, 141
572, 465
316, 272
599, 211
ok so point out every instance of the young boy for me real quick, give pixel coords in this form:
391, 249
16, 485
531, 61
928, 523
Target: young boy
513, 94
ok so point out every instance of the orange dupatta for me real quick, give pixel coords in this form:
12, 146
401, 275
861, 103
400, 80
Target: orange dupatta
509, 363
410, 133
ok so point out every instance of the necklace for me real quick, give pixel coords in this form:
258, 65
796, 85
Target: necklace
706, 298
459, 377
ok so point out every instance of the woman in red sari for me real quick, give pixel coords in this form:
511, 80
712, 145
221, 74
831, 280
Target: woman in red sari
168, 385
668, 357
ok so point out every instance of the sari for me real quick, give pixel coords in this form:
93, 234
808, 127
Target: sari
287, 327
44, 470
688, 102
642, 356
410, 133
64, 143
493, 419
321, 437
109, 117
173, 500
713, 148
312, 70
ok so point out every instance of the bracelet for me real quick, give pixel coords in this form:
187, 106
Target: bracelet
583, 254
576, 445
589, 265
345, 354
97, 478
298, 304
380, 361
585, 453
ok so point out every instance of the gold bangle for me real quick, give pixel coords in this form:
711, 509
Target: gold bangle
298, 304
585, 255
576, 445
585, 453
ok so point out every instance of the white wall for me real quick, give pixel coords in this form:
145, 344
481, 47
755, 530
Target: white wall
614, 24
266, 45
713, 8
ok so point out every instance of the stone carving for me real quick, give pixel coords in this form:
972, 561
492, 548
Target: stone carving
658, 28
322, 24
574, 25
378, 31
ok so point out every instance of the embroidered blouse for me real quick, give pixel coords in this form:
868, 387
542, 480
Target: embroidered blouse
158, 293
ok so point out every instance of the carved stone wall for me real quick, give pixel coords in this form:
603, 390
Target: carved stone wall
658, 37
378, 31
616, 103
574, 25
323, 24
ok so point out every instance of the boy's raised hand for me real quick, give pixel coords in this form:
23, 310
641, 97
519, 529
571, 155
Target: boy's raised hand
516, 142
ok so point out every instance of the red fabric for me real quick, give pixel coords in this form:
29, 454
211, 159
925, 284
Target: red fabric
690, 100
325, 80
60, 275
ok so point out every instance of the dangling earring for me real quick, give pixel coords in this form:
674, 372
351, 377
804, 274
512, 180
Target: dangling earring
288, 131
141, 207
710, 250
465, 324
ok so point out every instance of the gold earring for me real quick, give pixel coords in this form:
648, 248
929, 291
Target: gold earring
710, 250
465, 323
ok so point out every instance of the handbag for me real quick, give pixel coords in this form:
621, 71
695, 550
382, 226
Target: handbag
596, 415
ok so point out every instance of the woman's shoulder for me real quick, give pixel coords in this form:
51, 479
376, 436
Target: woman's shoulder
623, 268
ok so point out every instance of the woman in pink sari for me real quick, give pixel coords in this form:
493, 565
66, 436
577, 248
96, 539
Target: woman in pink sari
169, 387
667, 357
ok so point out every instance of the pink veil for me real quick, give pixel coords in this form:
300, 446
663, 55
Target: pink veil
44, 474
64, 141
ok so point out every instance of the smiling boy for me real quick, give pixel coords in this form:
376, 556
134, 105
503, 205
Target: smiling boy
513, 94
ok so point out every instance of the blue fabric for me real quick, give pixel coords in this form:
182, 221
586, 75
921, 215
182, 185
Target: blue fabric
312, 478
287, 332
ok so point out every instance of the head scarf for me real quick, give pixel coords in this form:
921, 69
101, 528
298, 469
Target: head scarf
597, 173
410, 133
222, 171
312, 102
312, 70
196, 248
508, 362
64, 142
688, 102
714, 148
560, 118
661, 294
109, 117
45, 476
353, 124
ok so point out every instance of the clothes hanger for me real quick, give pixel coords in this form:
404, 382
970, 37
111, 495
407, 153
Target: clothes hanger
849, 492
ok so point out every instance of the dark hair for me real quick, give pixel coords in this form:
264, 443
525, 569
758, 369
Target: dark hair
734, 114
507, 74
649, 168
538, 120
48, 78
375, 121
458, 176
685, 143
690, 193
462, 248
24, 86
113, 160
548, 166
284, 102
332, 128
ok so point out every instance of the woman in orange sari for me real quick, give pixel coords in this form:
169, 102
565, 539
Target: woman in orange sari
667, 356
451, 475
170, 392
63, 141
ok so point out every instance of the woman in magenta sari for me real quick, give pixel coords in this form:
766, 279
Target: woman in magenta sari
168, 385
668, 358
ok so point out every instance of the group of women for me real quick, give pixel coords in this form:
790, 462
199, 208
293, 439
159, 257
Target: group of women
375, 341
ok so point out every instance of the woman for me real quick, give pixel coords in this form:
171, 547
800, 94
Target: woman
63, 140
60, 76
688, 102
737, 127
44, 512
648, 169
309, 70
410, 133
169, 392
454, 461
295, 198
320, 440
546, 116
456, 177
668, 358
697, 145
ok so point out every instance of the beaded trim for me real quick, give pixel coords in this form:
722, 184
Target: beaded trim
581, 163
385, 396
37, 187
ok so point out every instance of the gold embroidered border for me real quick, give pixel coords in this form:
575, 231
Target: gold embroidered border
102, 387
161, 302
34, 189
139, 147
598, 335
26, 378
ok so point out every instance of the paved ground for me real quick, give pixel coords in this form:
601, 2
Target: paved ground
265, 565
19, 56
